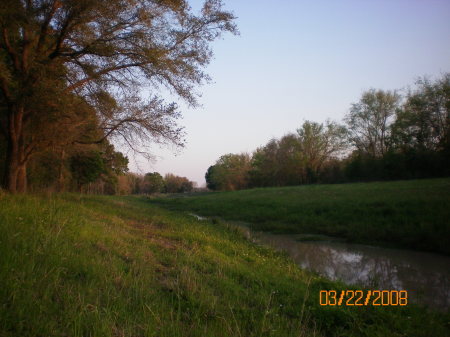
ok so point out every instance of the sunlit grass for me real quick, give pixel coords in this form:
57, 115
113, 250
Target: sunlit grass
410, 214
119, 266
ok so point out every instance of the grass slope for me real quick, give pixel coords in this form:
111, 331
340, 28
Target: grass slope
121, 266
413, 214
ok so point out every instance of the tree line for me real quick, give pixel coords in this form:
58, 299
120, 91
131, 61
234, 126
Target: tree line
385, 136
153, 183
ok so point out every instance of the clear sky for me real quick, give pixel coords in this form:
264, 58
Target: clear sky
303, 60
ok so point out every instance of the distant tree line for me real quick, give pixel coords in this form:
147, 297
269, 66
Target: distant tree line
386, 136
153, 182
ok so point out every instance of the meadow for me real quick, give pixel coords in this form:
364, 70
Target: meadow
406, 214
76, 265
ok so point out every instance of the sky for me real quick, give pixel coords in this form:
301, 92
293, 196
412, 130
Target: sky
302, 60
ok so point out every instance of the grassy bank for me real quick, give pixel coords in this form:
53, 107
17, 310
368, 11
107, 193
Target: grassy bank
411, 214
117, 266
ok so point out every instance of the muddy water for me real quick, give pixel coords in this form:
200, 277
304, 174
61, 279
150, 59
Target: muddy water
425, 276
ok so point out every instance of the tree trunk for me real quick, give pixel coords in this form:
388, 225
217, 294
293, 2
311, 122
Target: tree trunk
15, 179
21, 184
61, 186
16, 170
12, 166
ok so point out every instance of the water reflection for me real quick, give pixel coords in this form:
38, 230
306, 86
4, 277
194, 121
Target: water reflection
424, 275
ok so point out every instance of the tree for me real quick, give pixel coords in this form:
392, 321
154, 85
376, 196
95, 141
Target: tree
209, 177
130, 183
264, 165
289, 162
60, 57
230, 172
115, 162
115, 165
60, 171
298, 158
86, 167
153, 183
320, 143
370, 119
176, 184
424, 121
124, 184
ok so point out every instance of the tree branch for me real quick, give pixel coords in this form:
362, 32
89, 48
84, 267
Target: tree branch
110, 131
61, 36
105, 71
5, 90
10, 50
44, 28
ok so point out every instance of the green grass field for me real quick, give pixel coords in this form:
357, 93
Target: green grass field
75, 265
410, 214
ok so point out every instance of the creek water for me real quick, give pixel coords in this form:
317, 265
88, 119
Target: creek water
426, 276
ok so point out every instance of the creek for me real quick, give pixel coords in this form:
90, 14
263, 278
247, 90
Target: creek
425, 276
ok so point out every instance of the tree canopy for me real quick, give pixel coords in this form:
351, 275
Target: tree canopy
82, 71
369, 121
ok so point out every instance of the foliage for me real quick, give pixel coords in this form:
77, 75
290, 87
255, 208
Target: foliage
229, 172
150, 183
72, 72
209, 178
289, 161
176, 184
320, 143
264, 166
115, 162
424, 121
86, 167
46, 170
292, 160
153, 183
370, 119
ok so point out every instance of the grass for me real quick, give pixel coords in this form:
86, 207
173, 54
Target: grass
74, 265
410, 214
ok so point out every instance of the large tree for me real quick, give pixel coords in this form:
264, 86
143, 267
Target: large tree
153, 183
265, 168
84, 64
230, 172
423, 123
320, 143
370, 119
288, 161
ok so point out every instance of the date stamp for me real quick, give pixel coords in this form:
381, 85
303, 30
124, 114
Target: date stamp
363, 297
